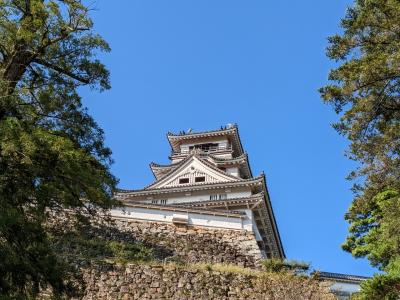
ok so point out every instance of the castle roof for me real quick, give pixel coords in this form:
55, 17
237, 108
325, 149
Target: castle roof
125, 194
268, 207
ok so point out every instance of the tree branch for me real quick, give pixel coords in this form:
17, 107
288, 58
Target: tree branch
61, 70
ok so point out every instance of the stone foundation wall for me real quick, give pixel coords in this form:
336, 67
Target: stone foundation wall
172, 282
189, 263
189, 244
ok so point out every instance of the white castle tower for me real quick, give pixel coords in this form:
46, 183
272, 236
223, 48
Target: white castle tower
208, 183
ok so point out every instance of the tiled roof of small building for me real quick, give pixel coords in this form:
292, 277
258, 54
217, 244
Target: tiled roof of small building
341, 277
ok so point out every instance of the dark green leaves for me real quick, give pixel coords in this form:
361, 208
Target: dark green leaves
365, 91
52, 154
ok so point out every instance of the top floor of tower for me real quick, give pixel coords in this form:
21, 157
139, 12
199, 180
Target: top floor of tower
223, 143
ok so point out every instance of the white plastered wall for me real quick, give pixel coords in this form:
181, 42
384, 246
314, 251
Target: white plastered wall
233, 171
345, 287
189, 197
194, 219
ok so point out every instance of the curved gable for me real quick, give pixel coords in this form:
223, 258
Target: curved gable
187, 173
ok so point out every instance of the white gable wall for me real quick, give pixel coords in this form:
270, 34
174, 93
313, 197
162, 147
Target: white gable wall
191, 170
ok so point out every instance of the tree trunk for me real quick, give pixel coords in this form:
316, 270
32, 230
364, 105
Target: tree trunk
15, 69
12, 74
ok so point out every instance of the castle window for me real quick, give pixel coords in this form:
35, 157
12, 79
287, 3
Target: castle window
183, 180
163, 201
154, 201
218, 197
208, 147
200, 179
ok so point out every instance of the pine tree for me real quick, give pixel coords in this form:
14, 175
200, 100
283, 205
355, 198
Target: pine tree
52, 154
365, 91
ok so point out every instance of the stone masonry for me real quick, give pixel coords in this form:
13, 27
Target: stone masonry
138, 281
189, 244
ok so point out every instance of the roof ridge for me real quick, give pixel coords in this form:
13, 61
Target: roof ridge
183, 133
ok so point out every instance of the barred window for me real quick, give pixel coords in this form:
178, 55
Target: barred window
200, 179
183, 180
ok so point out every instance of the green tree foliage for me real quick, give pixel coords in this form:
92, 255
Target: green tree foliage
52, 154
380, 287
380, 232
365, 91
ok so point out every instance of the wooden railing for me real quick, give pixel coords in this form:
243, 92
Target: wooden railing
204, 150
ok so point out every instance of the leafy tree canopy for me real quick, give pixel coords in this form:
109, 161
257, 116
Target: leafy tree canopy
52, 154
365, 91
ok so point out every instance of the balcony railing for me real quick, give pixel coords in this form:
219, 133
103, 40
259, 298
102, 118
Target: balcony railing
203, 149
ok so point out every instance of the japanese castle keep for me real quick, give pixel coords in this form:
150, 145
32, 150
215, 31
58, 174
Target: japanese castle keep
209, 183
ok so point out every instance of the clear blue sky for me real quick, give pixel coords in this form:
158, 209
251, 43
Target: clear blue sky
202, 64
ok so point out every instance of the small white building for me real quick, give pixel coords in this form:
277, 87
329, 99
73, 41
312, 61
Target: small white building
208, 183
343, 285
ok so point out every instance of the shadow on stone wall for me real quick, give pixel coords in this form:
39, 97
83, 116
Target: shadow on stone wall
88, 246
188, 244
